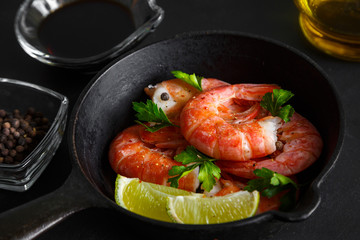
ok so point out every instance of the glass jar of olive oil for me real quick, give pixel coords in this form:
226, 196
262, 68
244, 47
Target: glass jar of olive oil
332, 26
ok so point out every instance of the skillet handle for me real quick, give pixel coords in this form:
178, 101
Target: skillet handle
31, 219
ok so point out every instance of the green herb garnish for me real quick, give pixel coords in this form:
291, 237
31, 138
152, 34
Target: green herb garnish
192, 79
208, 171
273, 101
271, 183
150, 112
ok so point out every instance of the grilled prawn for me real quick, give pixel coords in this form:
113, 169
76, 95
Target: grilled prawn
224, 122
299, 145
137, 153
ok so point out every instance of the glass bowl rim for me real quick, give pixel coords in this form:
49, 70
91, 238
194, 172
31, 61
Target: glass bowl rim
140, 32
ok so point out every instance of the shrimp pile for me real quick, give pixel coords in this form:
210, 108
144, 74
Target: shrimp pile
225, 122
137, 153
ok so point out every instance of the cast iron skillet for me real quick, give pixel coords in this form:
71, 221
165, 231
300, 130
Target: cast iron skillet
104, 108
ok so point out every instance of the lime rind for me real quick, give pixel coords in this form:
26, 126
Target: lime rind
120, 183
146, 199
232, 207
175, 205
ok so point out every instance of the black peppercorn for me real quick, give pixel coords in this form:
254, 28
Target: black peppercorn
165, 96
2, 113
15, 122
19, 148
12, 153
6, 125
16, 134
21, 141
24, 124
5, 152
9, 144
6, 131
19, 134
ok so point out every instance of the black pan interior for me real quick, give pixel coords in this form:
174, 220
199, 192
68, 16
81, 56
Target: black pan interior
106, 108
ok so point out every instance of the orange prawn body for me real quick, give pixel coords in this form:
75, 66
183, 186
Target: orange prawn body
132, 157
301, 147
216, 125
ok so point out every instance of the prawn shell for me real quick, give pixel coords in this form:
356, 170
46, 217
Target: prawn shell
303, 146
213, 130
131, 157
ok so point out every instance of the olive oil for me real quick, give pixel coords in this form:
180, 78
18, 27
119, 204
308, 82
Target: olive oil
85, 28
332, 26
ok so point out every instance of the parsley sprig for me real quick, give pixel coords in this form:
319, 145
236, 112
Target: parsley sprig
271, 183
273, 102
191, 79
208, 171
150, 112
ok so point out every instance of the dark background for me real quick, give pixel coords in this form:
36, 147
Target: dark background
337, 217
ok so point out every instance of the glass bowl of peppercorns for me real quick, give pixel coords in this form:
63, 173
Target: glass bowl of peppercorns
32, 123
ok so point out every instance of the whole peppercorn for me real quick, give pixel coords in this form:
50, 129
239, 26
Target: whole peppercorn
16, 134
15, 122
21, 141
9, 144
12, 153
6, 125
12, 130
19, 148
2, 113
24, 124
6, 131
5, 152
19, 134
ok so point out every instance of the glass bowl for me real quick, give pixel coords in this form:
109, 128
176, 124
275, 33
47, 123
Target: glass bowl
145, 14
20, 95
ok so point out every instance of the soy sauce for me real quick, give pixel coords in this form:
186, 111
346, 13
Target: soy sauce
85, 28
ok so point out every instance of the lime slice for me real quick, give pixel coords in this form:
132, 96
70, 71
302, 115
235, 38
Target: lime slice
192, 210
146, 199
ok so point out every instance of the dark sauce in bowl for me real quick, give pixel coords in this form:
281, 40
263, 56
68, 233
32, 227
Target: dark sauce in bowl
85, 28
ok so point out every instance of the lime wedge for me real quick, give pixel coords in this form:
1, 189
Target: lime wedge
207, 210
146, 199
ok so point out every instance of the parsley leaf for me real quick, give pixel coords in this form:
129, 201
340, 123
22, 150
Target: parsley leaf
150, 112
273, 101
207, 174
271, 183
191, 157
192, 79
